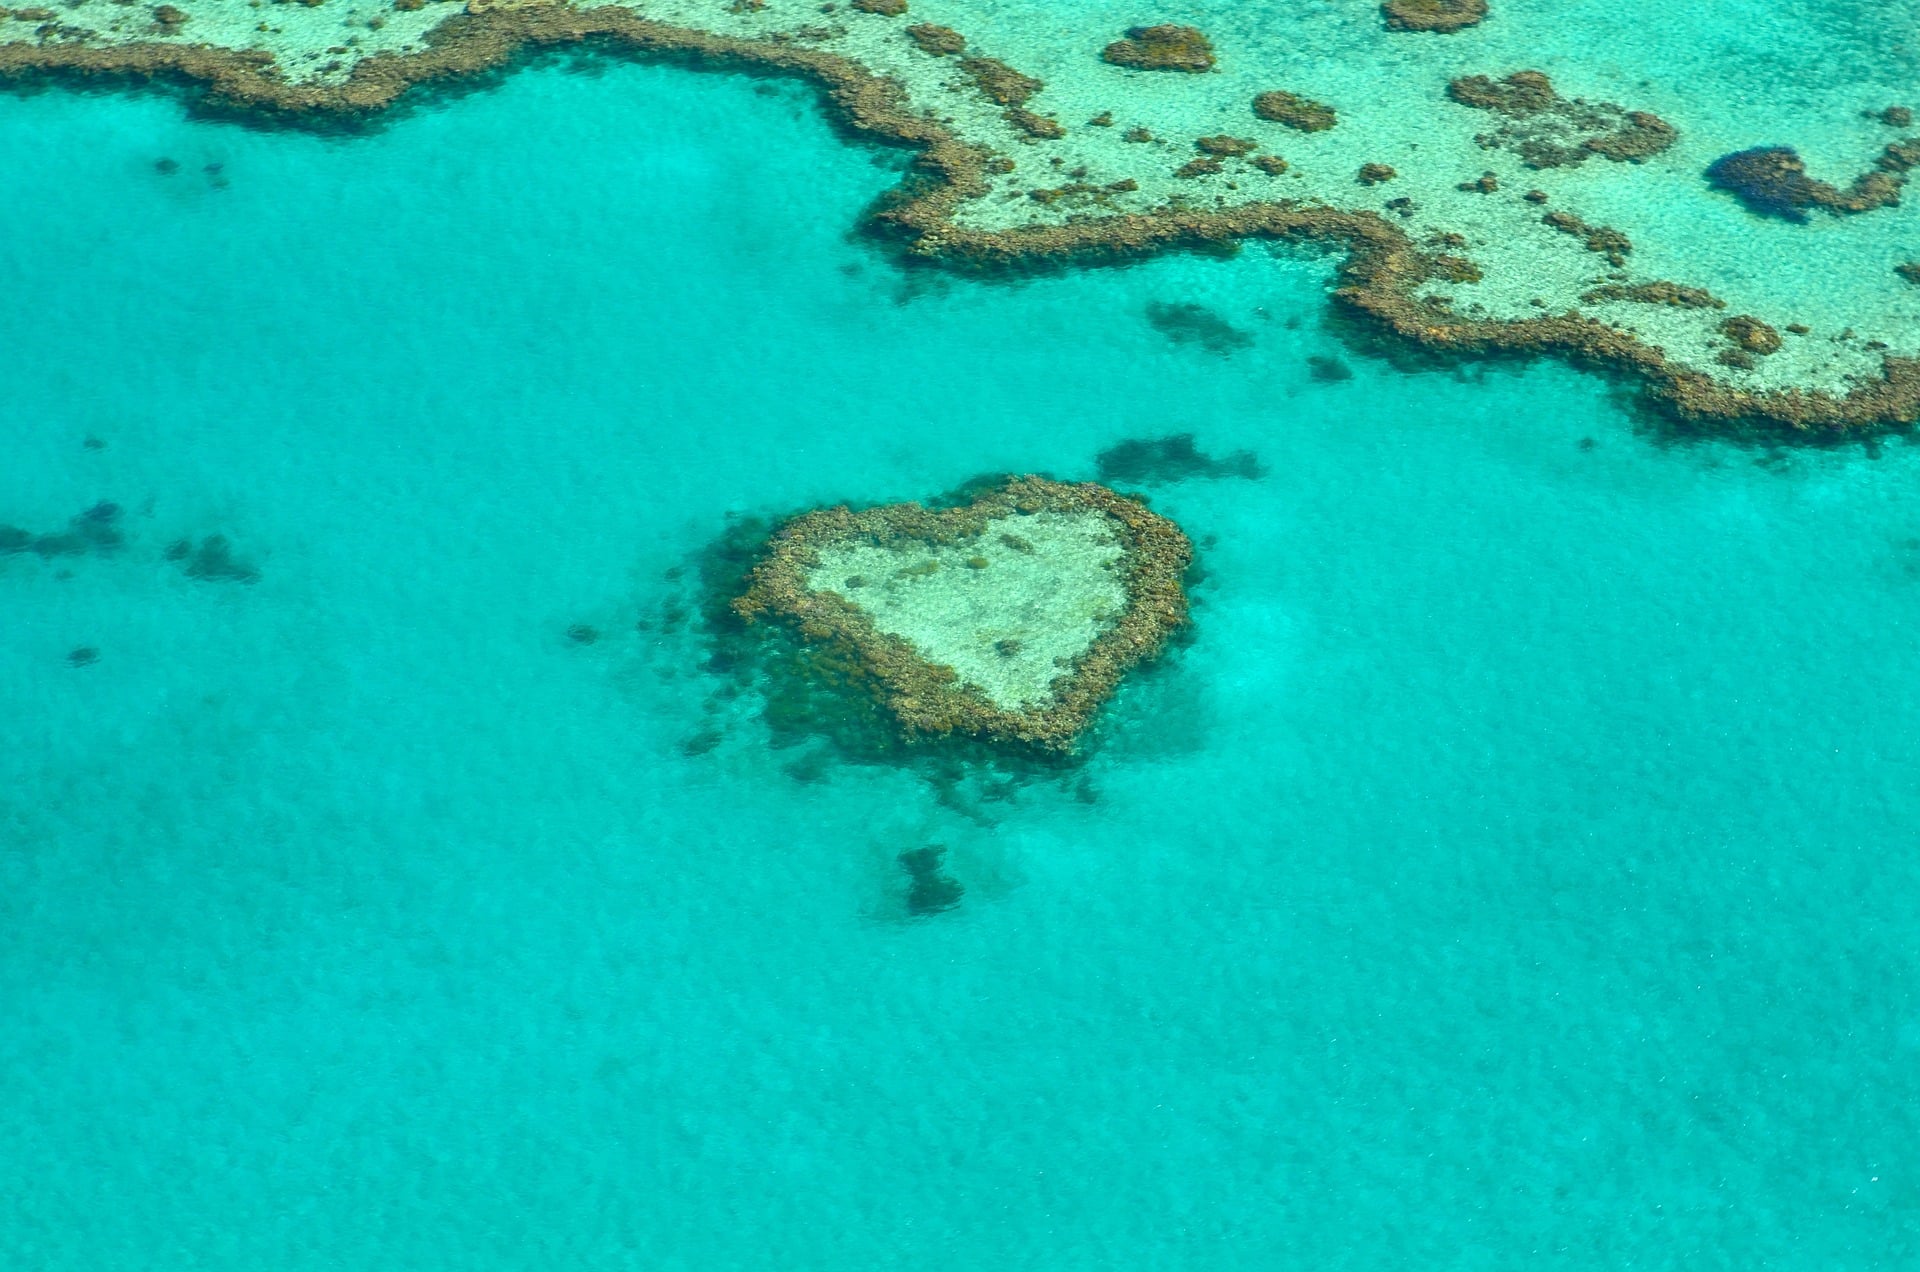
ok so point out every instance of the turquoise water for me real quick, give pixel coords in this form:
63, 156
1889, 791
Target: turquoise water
1516, 870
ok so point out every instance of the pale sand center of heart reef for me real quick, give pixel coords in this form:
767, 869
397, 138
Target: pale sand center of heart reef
1009, 610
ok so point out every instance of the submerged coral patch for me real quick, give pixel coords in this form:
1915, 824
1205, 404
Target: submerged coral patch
1153, 460
1010, 618
1188, 323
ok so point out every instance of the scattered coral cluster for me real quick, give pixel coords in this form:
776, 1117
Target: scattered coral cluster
1550, 131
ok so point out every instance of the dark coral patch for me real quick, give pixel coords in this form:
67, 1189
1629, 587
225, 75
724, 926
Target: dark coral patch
211, 561
1773, 181
1550, 131
930, 889
1162, 48
1150, 461
937, 41
1188, 323
1001, 82
1302, 113
1433, 15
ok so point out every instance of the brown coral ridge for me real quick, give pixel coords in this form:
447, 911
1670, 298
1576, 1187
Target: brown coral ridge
1773, 181
926, 698
1443, 16
1550, 131
1378, 279
1656, 293
1162, 48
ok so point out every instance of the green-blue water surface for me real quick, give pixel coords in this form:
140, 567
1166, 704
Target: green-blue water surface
1516, 871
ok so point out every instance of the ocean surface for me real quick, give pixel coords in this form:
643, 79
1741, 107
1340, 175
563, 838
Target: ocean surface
1516, 870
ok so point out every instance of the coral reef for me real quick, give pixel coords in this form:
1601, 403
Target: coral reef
884, 8
1433, 15
1374, 173
929, 699
1304, 114
1162, 48
1550, 131
1379, 277
1158, 460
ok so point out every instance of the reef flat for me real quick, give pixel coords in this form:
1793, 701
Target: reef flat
1500, 177
1009, 618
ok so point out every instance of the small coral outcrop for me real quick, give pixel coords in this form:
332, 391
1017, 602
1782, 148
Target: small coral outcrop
1162, 48
937, 41
1433, 15
1303, 113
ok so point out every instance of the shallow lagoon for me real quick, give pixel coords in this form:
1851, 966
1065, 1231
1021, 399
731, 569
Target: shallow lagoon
1517, 866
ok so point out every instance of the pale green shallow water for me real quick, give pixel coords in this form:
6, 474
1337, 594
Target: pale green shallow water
1517, 870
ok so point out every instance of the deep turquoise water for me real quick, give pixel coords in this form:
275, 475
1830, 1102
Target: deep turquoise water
1517, 871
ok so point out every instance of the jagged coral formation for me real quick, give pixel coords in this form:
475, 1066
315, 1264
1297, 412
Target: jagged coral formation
1550, 131
1773, 181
